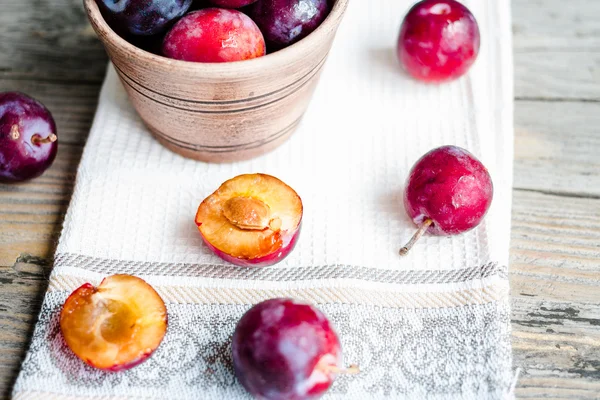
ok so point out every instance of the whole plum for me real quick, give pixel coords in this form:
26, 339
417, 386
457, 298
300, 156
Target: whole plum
284, 22
284, 349
142, 17
439, 40
448, 192
214, 35
28, 141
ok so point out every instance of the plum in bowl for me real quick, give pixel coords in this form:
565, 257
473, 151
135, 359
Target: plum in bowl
221, 111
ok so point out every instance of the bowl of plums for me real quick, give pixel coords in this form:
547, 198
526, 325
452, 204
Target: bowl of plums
218, 80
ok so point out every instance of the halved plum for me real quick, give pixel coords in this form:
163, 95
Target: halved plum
116, 325
251, 220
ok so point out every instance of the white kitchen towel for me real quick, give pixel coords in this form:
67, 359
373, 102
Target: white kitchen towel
435, 323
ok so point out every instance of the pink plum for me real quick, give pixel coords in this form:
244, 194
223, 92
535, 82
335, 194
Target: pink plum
439, 40
448, 192
214, 35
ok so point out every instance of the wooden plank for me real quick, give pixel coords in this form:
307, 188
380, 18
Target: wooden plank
541, 25
49, 41
31, 213
559, 234
23, 286
556, 147
555, 281
557, 75
557, 49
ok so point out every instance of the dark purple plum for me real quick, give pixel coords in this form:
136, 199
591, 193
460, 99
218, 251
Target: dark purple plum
284, 22
151, 44
284, 349
448, 192
28, 141
200, 4
142, 17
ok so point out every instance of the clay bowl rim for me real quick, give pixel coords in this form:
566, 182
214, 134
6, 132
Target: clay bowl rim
220, 70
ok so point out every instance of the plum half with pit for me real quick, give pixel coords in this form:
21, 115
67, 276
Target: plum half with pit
284, 349
214, 35
448, 192
28, 140
116, 325
252, 220
284, 22
439, 40
142, 17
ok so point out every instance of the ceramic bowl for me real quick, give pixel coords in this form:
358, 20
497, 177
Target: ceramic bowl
221, 112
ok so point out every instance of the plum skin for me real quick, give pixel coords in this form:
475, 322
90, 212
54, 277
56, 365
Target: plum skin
439, 40
214, 35
282, 349
142, 17
289, 243
284, 22
22, 119
451, 187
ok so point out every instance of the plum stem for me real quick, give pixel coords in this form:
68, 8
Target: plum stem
426, 224
37, 139
351, 370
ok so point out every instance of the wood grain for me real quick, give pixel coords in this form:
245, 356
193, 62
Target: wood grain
554, 289
543, 25
49, 41
47, 50
23, 285
558, 75
556, 147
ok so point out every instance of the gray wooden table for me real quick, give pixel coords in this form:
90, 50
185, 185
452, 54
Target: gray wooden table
48, 51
